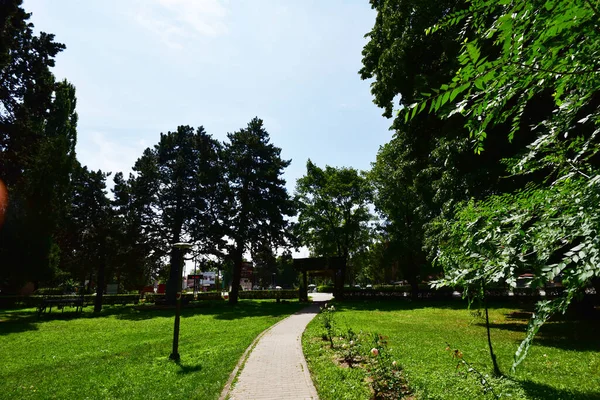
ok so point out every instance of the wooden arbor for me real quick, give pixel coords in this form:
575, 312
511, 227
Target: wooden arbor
320, 266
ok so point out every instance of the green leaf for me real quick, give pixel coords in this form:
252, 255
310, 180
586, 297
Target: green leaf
473, 51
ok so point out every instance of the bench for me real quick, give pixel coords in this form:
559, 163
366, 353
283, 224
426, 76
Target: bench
60, 303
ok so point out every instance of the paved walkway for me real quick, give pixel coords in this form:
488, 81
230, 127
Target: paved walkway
276, 368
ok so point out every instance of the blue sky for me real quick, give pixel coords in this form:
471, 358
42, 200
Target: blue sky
142, 67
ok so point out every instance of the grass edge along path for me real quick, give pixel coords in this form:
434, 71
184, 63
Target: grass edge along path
123, 352
564, 362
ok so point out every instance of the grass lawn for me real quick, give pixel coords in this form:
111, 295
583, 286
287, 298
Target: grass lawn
563, 363
123, 353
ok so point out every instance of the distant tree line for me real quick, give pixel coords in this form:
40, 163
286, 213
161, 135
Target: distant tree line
225, 198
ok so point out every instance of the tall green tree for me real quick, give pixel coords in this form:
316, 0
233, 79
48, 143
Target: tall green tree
334, 212
178, 192
520, 55
89, 225
415, 175
400, 203
258, 203
429, 166
135, 262
37, 129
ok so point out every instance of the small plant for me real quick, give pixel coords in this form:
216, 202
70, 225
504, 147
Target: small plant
327, 316
483, 379
352, 348
386, 376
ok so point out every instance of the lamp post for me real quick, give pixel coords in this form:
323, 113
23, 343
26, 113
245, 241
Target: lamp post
175, 353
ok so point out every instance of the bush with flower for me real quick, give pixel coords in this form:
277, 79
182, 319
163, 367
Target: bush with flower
327, 317
386, 376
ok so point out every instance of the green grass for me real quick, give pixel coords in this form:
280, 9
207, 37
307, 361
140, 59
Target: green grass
123, 352
564, 362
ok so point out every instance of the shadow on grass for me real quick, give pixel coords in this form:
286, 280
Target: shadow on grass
246, 309
565, 335
187, 369
540, 391
398, 305
8, 327
21, 320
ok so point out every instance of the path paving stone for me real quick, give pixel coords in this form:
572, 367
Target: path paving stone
276, 368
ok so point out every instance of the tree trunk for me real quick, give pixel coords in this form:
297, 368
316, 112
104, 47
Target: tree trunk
414, 287
101, 279
174, 282
487, 326
342, 278
237, 275
411, 277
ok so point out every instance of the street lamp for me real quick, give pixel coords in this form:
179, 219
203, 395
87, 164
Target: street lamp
175, 353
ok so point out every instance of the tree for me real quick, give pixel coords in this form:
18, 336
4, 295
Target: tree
428, 165
37, 129
400, 204
90, 225
258, 202
135, 261
518, 55
265, 265
178, 192
334, 212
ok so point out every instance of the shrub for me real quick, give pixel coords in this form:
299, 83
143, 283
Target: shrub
269, 294
49, 291
325, 289
327, 314
352, 349
387, 380
202, 296
153, 297
120, 299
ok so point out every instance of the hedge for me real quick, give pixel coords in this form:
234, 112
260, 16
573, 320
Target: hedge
203, 296
269, 294
88, 299
186, 297
49, 291
325, 289
389, 294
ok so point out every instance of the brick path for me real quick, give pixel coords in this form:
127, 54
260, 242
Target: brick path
276, 368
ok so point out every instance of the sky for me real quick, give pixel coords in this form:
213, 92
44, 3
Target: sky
142, 67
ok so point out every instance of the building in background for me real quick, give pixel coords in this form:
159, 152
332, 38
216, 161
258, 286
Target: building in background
246, 279
206, 281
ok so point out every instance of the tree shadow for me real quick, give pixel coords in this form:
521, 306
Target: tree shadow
399, 305
537, 390
245, 309
565, 334
8, 327
20, 320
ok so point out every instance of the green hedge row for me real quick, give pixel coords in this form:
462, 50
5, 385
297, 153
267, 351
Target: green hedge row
325, 289
47, 291
269, 294
380, 288
186, 297
387, 294
88, 299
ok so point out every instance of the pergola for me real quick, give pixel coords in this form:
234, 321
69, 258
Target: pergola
318, 266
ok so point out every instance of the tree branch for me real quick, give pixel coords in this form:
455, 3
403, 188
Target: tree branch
536, 69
